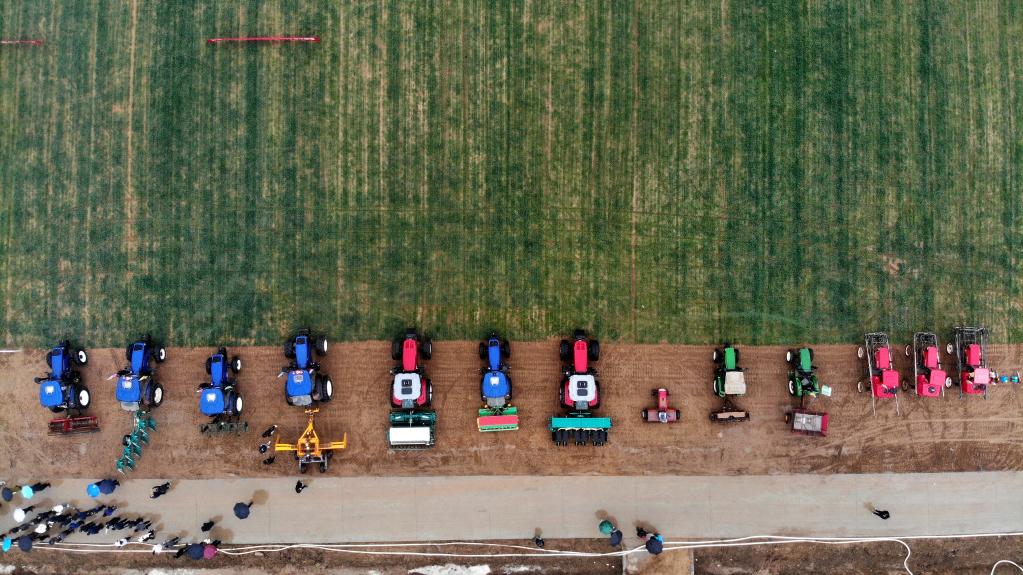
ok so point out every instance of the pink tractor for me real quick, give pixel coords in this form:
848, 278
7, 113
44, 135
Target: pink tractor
929, 380
882, 377
970, 350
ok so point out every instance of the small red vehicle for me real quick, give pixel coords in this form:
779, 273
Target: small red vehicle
970, 351
662, 413
882, 378
929, 380
805, 422
411, 387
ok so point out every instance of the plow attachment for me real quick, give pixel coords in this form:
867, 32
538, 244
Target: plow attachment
506, 419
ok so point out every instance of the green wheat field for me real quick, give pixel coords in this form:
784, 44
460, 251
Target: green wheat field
765, 172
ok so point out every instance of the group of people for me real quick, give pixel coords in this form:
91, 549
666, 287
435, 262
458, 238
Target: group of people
54, 524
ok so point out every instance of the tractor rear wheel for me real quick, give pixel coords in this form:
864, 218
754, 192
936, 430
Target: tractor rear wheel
505, 348
326, 389
427, 348
236, 364
161, 354
593, 350
209, 365
83, 397
396, 349
82, 357
564, 350
238, 405
321, 346
483, 350
156, 395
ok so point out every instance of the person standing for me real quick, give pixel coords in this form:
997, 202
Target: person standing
160, 490
882, 513
654, 541
299, 486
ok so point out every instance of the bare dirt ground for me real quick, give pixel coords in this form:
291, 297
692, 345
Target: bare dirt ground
945, 434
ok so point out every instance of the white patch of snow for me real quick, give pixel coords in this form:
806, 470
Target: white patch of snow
519, 569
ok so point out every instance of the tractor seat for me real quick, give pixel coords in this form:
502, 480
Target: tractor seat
211, 401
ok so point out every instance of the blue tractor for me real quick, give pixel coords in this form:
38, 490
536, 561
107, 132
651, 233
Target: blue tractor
497, 413
62, 389
306, 383
219, 398
137, 387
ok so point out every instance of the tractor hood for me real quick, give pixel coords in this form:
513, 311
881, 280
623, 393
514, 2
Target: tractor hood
211, 401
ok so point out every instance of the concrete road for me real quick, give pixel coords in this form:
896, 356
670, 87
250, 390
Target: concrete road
379, 509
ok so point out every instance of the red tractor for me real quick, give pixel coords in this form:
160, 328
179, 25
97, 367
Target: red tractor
929, 380
970, 350
662, 413
882, 378
579, 394
411, 389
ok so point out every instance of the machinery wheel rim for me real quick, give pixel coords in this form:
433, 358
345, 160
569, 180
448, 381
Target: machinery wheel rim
238, 404
328, 388
860, 352
792, 387
83, 357
83, 397
157, 395
161, 354
237, 364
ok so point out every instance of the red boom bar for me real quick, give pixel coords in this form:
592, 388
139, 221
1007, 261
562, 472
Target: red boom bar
21, 42
265, 39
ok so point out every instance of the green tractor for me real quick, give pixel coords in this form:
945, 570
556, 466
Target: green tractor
729, 378
803, 380
729, 381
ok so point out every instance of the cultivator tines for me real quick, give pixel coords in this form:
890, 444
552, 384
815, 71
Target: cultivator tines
134, 441
223, 428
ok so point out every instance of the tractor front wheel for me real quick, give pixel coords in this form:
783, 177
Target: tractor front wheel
483, 350
908, 350
788, 356
321, 346
396, 349
236, 364
427, 348
289, 349
860, 352
161, 354
905, 385
717, 355
948, 382
564, 350
593, 350
209, 365
505, 348
82, 357
949, 348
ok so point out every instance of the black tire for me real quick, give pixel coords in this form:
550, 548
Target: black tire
81, 357
321, 346
678, 415
237, 404
161, 354
579, 334
57, 409
483, 350
302, 466
236, 364
127, 352
561, 395
396, 349
564, 350
427, 348
717, 355
323, 466
788, 418
155, 394
737, 362
904, 384
209, 365
505, 348
289, 349
811, 354
429, 393
593, 350
792, 387
49, 355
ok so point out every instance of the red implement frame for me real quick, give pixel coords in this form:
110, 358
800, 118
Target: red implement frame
81, 424
314, 39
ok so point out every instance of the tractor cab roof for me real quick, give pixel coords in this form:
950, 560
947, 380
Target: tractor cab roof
211, 402
495, 384
735, 383
407, 386
129, 389
582, 388
51, 394
883, 358
300, 383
